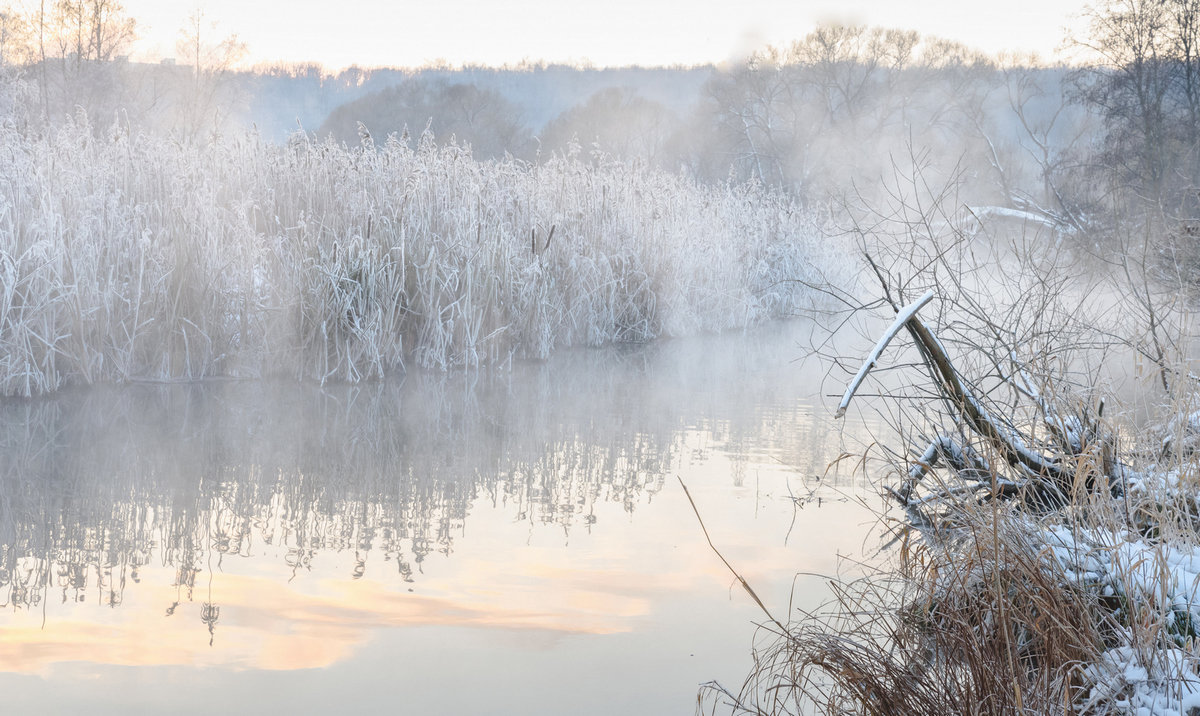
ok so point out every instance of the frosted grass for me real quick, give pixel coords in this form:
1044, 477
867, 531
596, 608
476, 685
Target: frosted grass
139, 258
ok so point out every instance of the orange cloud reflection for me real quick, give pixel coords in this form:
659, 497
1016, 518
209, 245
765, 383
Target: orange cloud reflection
266, 623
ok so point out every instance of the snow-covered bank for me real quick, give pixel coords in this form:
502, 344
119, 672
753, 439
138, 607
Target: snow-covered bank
1149, 663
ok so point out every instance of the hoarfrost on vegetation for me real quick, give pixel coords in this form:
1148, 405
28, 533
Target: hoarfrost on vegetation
134, 257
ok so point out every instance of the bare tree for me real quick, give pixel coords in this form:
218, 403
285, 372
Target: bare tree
1146, 87
78, 45
827, 112
110, 30
15, 46
212, 61
758, 117
1052, 130
620, 121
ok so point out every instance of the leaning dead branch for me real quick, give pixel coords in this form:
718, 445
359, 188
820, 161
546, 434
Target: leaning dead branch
902, 318
1041, 475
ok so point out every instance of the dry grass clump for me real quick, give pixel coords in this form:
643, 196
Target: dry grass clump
983, 620
1047, 566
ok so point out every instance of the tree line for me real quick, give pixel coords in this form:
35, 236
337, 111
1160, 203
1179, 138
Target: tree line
832, 114
75, 53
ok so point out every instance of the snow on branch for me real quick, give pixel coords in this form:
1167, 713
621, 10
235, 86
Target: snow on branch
999, 212
902, 317
943, 449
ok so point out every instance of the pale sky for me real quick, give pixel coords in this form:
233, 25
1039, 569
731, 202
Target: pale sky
612, 32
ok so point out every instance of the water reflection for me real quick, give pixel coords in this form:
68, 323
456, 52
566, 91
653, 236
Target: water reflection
94, 484
99, 487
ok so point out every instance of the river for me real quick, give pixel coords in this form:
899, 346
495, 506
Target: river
511, 542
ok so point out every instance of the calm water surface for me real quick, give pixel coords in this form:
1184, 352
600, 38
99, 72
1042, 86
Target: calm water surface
438, 544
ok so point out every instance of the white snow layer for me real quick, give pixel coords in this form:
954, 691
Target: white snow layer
1157, 585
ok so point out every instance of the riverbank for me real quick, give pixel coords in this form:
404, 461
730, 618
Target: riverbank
989, 606
1041, 534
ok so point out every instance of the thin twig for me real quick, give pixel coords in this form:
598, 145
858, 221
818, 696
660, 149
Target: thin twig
744, 583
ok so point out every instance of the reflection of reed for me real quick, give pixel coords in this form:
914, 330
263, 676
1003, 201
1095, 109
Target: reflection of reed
96, 484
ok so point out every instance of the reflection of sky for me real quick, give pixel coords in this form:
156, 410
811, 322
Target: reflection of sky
640, 596
503, 575
531, 604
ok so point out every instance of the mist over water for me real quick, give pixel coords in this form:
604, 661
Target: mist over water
375, 390
261, 529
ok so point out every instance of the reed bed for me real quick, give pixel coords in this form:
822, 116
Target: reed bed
129, 257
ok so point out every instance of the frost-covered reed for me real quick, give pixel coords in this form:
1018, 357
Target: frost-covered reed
128, 257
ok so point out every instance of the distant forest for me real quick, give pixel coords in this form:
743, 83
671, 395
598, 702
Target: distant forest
810, 119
